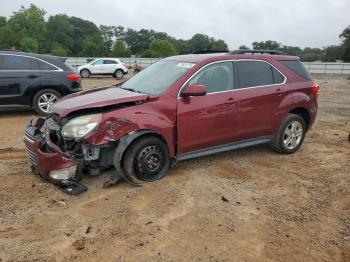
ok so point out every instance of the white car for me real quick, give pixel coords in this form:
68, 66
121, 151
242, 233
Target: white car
104, 66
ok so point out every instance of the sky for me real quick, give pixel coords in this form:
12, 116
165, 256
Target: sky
312, 23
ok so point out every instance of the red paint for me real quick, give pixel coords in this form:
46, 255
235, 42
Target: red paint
191, 123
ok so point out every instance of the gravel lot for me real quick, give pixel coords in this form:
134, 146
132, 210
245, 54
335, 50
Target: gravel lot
245, 205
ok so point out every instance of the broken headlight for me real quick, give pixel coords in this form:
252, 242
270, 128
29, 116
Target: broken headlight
81, 126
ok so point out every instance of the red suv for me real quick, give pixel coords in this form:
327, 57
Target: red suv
178, 108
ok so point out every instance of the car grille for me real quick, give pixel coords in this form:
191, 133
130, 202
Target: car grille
31, 157
29, 136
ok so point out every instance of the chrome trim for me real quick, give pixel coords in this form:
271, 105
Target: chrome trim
58, 69
232, 60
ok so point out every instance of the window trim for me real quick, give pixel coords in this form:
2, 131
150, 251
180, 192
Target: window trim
32, 57
235, 89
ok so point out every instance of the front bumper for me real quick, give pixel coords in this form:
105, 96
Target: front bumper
42, 158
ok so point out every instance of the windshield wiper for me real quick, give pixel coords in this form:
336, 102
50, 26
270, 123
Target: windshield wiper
131, 89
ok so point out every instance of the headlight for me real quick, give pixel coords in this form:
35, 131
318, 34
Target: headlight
81, 126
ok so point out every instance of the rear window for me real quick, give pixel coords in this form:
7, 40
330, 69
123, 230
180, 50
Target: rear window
254, 73
10, 62
297, 67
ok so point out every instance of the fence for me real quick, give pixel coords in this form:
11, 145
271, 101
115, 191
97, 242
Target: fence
313, 67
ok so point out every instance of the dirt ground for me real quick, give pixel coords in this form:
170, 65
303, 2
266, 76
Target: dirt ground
245, 205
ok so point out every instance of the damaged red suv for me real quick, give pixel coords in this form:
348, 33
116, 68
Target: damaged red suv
178, 108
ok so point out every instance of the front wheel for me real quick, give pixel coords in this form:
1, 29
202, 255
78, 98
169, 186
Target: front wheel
290, 135
44, 99
147, 159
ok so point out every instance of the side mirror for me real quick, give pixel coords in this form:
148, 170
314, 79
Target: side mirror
194, 90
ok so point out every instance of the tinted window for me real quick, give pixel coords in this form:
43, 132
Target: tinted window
297, 67
278, 78
254, 73
216, 77
11, 62
108, 62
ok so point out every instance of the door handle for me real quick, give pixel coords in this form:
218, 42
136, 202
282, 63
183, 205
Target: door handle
230, 101
33, 76
279, 92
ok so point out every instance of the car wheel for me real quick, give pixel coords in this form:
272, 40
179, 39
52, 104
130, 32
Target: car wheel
44, 99
147, 159
85, 73
290, 135
119, 74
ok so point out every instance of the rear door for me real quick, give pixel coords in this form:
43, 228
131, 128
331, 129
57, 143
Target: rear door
17, 74
260, 92
210, 120
109, 66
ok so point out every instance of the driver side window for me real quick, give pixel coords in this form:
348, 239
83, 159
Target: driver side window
98, 62
216, 77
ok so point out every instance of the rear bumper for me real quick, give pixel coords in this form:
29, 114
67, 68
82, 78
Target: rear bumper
42, 162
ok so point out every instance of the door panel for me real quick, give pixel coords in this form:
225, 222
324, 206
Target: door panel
260, 93
210, 120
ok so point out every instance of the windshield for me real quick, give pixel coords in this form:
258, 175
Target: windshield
158, 77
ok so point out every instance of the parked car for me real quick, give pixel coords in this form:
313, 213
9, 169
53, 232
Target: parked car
33, 80
179, 108
104, 66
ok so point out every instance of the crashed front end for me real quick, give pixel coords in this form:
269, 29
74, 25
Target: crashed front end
58, 152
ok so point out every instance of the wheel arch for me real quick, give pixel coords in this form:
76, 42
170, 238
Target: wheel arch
304, 113
31, 92
125, 142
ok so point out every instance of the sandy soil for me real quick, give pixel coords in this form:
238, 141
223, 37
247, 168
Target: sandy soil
246, 205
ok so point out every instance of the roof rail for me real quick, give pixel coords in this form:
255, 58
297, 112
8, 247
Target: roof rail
250, 51
209, 52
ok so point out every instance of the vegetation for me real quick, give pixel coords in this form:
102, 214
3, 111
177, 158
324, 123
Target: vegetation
64, 35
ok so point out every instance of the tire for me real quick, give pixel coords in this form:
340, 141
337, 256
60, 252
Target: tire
119, 74
44, 99
85, 73
140, 159
290, 134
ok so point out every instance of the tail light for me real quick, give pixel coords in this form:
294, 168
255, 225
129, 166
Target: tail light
74, 77
315, 89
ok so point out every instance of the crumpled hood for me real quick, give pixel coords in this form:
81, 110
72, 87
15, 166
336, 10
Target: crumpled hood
95, 98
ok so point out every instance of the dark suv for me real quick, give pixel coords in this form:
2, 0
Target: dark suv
35, 80
179, 108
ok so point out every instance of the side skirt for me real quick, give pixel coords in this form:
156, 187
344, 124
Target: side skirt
225, 147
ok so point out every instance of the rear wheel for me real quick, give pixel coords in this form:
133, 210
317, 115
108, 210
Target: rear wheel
290, 135
85, 73
44, 99
119, 74
147, 159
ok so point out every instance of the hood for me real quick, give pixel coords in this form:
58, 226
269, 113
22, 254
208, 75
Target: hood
95, 98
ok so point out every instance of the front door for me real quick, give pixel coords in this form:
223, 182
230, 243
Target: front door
210, 120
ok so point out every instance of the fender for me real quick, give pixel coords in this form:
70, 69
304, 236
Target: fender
284, 107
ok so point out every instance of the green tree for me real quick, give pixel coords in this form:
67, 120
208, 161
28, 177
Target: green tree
200, 42
120, 50
60, 34
243, 47
3, 21
218, 45
292, 50
266, 45
107, 34
29, 44
58, 50
345, 37
160, 48
311, 54
332, 53
27, 22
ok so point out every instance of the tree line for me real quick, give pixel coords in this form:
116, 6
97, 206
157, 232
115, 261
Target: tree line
62, 35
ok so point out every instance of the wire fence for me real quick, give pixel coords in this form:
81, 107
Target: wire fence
313, 67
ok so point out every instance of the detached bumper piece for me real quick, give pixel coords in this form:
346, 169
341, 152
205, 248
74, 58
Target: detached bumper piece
52, 165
